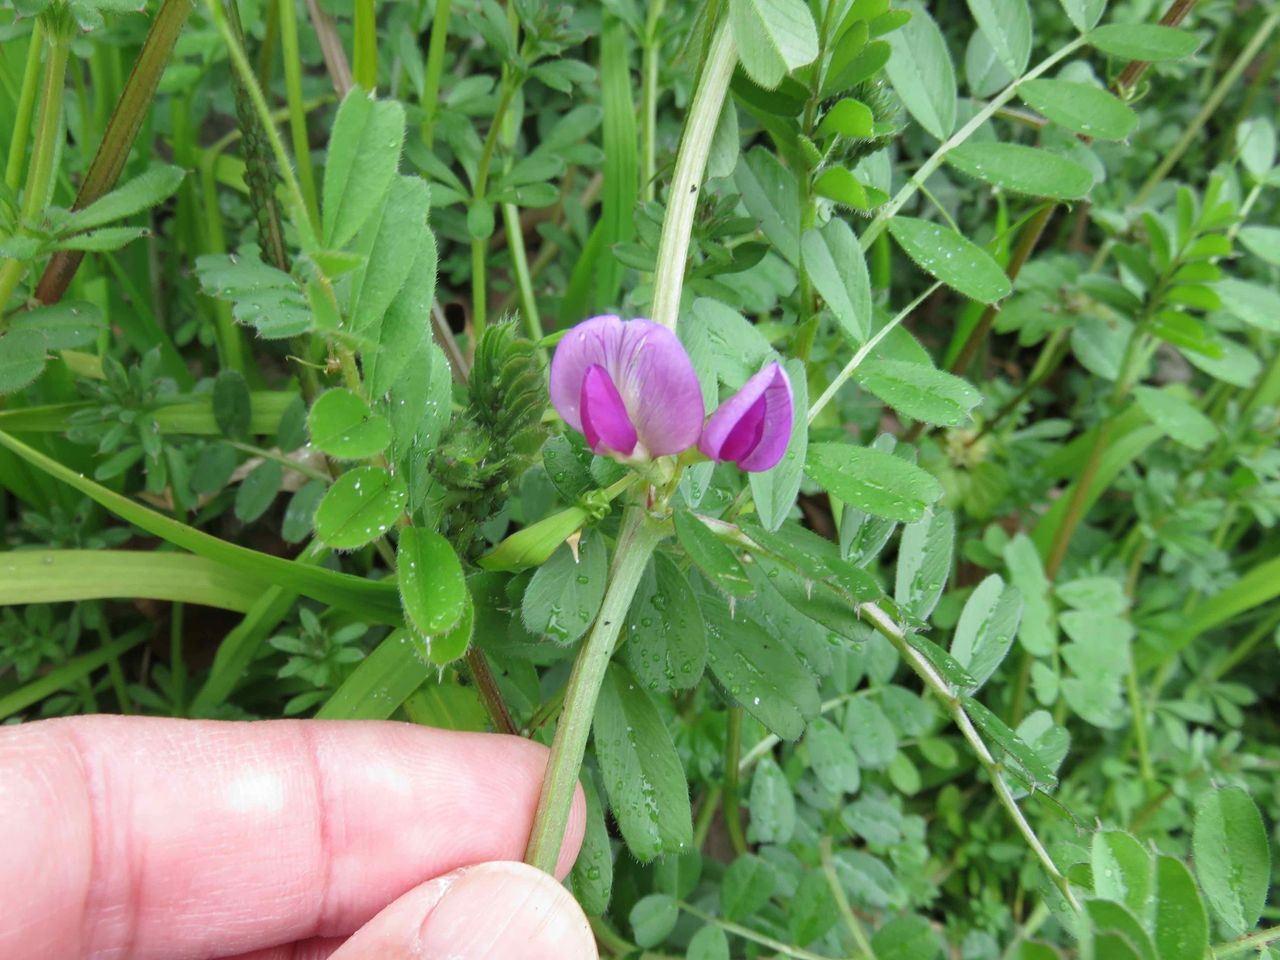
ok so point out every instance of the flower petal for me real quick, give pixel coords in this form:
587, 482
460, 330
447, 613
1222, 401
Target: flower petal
753, 427
650, 370
605, 423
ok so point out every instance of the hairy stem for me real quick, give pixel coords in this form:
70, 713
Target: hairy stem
691, 164
636, 542
24, 109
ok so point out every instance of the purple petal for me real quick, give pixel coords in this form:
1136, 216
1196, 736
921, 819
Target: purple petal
605, 422
648, 367
753, 427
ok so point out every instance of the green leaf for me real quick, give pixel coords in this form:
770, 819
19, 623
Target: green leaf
709, 943
773, 37
1232, 856
848, 118
22, 358
921, 72
1038, 632
232, 405
1182, 925
1122, 870
1256, 142
1178, 417
748, 884
956, 261
773, 805
1084, 14
258, 491
1022, 169
64, 325
300, 514
405, 331
1252, 303
758, 670
58, 576
1262, 242
621, 155
1007, 26
838, 184
1081, 107
771, 195
874, 738
565, 593
919, 391
343, 426
267, 299
1016, 749
364, 152
389, 259
836, 266
1144, 41
432, 586
653, 918
1109, 917
70, 673
832, 758
592, 875
905, 938
987, 627
642, 772
873, 481
775, 490
141, 193
924, 562
360, 507
666, 642
711, 555
366, 599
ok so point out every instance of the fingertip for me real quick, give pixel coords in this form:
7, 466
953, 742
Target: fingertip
574, 831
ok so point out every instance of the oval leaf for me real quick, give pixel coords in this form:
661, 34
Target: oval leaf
343, 426
1028, 170
873, 481
432, 587
957, 262
361, 506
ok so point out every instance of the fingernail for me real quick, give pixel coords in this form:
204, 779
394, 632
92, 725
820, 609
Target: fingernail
497, 911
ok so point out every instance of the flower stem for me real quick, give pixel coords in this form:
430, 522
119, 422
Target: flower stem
636, 542
40, 173
691, 164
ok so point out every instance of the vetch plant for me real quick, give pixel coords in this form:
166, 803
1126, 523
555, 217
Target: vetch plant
891, 554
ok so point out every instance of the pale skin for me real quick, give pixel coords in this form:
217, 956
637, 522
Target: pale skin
150, 839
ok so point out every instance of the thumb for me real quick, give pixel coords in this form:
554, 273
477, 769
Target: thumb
493, 911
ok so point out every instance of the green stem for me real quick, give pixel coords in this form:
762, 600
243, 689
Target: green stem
364, 62
524, 279
856, 360
732, 755
40, 174
851, 921
311, 473
691, 164
435, 69
1244, 944
706, 813
1211, 104
24, 110
124, 703
636, 542
1138, 707
297, 108
889, 629
177, 660
479, 247
649, 100
890, 209
746, 933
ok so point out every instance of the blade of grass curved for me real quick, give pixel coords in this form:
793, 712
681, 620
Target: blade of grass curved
56, 576
383, 680
185, 414
371, 601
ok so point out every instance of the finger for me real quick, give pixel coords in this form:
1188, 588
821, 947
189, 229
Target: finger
320, 948
494, 911
185, 840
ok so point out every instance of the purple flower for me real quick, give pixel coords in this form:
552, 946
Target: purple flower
628, 386
753, 426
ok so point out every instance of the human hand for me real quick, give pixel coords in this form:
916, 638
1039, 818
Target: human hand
133, 838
